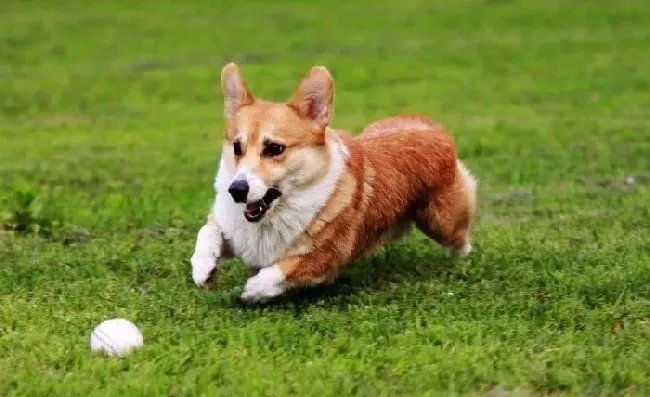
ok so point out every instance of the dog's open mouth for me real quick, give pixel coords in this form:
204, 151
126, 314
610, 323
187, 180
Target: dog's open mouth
257, 209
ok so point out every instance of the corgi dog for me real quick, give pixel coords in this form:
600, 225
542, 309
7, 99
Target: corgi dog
297, 201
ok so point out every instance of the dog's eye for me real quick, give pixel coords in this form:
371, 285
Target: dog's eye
273, 149
237, 147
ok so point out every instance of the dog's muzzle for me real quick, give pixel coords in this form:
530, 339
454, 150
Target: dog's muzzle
256, 210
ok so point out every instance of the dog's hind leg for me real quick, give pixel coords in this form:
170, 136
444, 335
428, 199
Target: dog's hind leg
447, 216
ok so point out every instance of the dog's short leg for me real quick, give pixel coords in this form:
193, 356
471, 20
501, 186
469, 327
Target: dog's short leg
302, 271
448, 216
207, 252
268, 283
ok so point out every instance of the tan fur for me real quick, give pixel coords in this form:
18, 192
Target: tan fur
400, 170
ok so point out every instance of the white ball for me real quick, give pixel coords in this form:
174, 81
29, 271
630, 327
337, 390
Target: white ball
116, 337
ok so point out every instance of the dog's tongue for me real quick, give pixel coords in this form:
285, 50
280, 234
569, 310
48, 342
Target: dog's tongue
255, 208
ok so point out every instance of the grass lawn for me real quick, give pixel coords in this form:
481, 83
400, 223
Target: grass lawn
110, 128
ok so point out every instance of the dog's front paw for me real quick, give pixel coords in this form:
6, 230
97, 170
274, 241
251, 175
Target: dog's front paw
203, 269
268, 283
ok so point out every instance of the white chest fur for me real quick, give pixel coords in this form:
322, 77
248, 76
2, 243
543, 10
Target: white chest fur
261, 244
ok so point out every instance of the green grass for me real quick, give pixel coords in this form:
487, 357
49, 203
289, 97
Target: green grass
110, 123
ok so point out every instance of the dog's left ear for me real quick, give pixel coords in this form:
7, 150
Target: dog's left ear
314, 98
235, 91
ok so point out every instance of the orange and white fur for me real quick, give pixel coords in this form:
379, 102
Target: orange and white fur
297, 200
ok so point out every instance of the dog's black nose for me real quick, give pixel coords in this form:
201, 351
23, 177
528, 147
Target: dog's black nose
239, 190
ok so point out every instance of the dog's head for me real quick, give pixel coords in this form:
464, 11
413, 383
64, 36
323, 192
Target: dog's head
271, 149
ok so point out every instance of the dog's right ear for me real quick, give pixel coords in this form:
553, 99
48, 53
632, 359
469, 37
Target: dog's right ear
235, 91
315, 96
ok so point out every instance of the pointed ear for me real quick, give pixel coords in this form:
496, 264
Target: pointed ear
314, 98
235, 91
